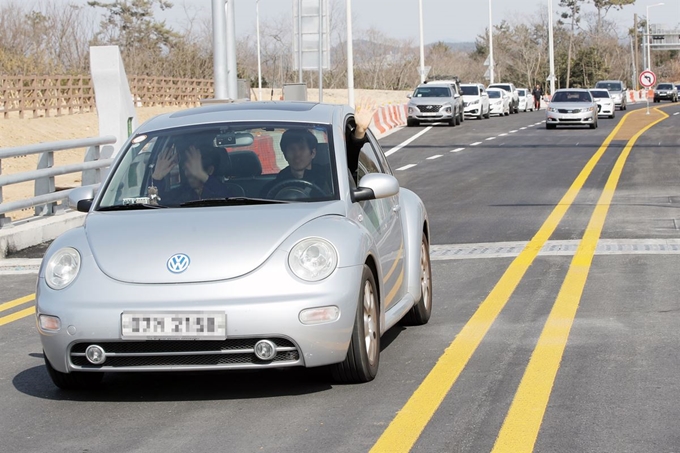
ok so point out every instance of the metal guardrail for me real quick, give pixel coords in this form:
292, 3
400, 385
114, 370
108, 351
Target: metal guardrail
46, 197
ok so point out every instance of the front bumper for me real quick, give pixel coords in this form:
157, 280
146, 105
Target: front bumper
261, 305
606, 109
663, 96
497, 109
570, 118
431, 116
473, 110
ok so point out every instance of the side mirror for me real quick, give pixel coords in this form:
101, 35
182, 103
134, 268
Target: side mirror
375, 186
81, 198
409, 95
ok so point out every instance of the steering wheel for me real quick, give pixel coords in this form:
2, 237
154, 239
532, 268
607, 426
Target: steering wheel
296, 188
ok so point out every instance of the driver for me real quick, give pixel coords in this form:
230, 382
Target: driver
299, 149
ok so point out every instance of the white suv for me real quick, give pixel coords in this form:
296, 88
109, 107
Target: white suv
475, 100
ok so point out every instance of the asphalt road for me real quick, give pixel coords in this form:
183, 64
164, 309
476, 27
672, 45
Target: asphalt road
554, 330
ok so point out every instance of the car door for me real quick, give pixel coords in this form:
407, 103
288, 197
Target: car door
383, 219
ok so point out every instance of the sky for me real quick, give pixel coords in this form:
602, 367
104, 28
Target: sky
444, 20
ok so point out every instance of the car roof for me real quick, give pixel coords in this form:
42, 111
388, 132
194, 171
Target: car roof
274, 111
575, 89
437, 83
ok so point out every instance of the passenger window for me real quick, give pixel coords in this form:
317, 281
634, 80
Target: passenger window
368, 161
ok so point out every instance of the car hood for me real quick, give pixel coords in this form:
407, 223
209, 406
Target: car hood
220, 242
430, 101
570, 105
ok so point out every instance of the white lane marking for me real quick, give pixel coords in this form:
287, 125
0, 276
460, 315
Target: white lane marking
512, 132
475, 143
542, 121
457, 150
502, 135
491, 138
437, 156
676, 113
20, 266
409, 141
406, 167
522, 128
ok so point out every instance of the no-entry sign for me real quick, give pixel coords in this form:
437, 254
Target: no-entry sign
647, 79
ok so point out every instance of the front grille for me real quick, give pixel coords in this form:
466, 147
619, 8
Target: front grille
130, 354
569, 111
429, 108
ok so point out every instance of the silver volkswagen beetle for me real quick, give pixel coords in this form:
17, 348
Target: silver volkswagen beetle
250, 235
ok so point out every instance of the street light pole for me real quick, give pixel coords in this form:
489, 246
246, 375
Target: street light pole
350, 56
219, 20
422, 45
320, 50
259, 61
649, 38
491, 62
551, 45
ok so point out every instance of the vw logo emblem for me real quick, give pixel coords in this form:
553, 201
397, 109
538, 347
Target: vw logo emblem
178, 263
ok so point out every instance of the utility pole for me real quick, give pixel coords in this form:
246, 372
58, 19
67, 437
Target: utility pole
551, 45
232, 86
320, 50
350, 56
491, 62
299, 38
219, 21
636, 51
422, 45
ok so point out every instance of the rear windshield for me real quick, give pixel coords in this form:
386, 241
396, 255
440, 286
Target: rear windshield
665, 86
610, 86
600, 94
502, 87
469, 91
432, 92
572, 96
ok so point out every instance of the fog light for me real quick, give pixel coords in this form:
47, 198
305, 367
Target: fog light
265, 350
95, 354
319, 315
51, 323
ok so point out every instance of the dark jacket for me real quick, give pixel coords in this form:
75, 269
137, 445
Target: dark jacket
538, 93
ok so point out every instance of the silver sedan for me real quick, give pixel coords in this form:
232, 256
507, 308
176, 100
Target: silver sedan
571, 107
244, 236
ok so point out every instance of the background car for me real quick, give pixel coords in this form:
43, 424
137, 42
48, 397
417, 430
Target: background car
526, 100
499, 102
475, 100
605, 104
617, 90
435, 102
571, 107
280, 272
512, 92
665, 92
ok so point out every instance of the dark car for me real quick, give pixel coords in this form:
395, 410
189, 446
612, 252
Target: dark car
666, 92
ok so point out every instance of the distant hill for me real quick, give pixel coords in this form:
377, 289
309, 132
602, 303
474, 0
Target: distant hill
466, 47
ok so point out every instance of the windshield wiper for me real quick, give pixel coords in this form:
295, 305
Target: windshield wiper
131, 207
231, 201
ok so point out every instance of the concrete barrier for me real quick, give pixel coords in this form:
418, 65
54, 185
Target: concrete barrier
388, 118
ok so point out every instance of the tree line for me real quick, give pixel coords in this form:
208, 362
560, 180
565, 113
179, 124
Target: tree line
49, 38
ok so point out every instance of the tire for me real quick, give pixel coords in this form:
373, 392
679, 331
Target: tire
550, 126
76, 380
361, 363
452, 122
593, 126
613, 115
420, 313
412, 123
488, 113
456, 120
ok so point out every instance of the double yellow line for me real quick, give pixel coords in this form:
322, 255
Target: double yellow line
19, 314
524, 419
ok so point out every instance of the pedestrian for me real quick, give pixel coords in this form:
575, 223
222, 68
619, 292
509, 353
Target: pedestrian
538, 94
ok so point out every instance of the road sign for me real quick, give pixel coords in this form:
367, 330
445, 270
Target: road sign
647, 79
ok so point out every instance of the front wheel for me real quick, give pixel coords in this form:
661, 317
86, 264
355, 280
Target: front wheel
363, 356
420, 313
75, 380
412, 123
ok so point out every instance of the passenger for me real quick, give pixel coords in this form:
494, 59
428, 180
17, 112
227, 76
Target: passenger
198, 165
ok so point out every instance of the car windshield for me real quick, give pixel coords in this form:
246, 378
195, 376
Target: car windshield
225, 163
493, 94
664, 86
609, 86
469, 91
522, 92
503, 87
432, 92
600, 94
571, 96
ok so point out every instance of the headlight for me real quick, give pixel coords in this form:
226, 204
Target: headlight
473, 102
62, 268
313, 259
552, 109
411, 110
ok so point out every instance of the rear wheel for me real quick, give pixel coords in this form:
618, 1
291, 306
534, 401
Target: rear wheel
73, 381
363, 356
488, 113
420, 313
456, 119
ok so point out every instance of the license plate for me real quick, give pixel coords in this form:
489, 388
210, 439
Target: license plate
430, 113
178, 325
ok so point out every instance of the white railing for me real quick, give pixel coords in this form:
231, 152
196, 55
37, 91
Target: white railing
46, 198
